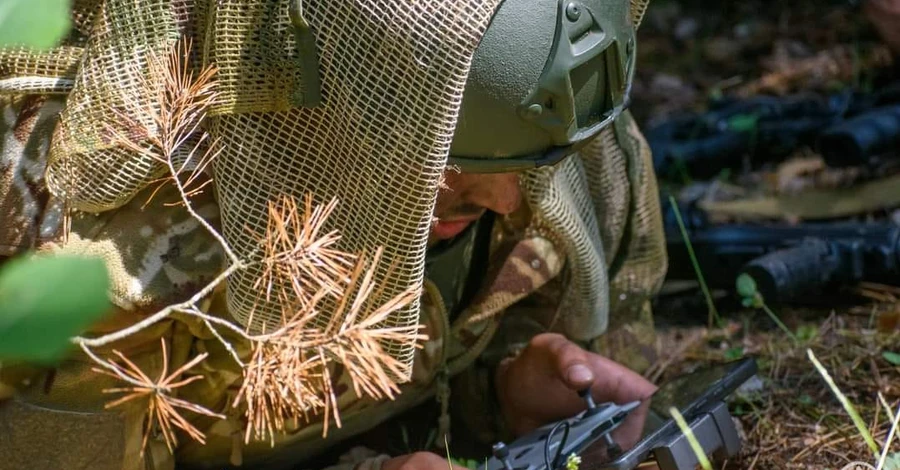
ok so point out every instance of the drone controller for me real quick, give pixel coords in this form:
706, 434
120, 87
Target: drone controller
698, 396
560, 439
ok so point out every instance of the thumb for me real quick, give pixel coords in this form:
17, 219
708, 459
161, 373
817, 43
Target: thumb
577, 375
572, 363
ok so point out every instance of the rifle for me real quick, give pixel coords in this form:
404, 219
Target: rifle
769, 128
853, 142
786, 261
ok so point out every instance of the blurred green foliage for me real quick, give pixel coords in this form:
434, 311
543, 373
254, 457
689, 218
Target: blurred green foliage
46, 300
37, 24
891, 357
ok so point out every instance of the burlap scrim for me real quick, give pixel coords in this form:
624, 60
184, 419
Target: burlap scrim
393, 73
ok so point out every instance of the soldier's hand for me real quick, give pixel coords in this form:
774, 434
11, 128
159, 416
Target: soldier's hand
540, 385
419, 460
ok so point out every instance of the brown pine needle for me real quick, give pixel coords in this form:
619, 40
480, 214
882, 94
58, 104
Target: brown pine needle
164, 121
162, 415
290, 376
299, 259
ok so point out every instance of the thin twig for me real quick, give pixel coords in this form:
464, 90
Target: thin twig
158, 316
235, 261
107, 365
228, 347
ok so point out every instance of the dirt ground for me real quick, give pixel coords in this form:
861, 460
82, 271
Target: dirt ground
688, 53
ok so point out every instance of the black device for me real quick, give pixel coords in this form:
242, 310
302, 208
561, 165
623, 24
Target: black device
591, 434
788, 262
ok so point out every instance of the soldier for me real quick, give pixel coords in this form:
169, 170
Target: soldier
484, 145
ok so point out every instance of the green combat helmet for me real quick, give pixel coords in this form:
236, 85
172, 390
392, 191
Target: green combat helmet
550, 80
545, 79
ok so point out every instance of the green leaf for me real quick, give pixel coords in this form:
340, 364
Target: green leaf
44, 301
891, 357
806, 400
807, 332
38, 24
892, 462
734, 353
746, 286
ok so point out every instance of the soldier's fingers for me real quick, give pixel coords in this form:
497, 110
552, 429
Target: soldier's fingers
419, 461
617, 383
570, 362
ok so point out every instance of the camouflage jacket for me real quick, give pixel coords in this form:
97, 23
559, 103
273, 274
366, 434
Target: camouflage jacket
158, 255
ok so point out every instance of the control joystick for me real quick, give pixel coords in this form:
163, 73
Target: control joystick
501, 453
589, 399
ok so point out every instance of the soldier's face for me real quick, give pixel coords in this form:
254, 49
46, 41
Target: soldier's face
465, 197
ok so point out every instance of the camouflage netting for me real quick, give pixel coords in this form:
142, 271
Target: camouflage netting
601, 209
53, 72
638, 8
392, 75
23, 72
86, 166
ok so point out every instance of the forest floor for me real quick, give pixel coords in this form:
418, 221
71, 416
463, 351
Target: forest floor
689, 53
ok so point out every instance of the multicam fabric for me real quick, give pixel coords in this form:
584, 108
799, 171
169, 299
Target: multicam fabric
158, 255
26, 124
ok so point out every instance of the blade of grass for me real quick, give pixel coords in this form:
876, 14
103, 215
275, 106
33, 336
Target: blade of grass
695, 444
851, 410
746, 288
890, 438
447, 448
778, 322
886, 406
713, 313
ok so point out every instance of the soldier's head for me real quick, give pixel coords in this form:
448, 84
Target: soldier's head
546, 78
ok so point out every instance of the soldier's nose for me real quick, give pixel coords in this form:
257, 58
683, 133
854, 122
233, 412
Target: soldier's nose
500, 192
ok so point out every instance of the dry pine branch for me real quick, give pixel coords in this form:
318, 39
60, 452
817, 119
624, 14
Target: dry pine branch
299, 260
162, 414
162, 121
290, 376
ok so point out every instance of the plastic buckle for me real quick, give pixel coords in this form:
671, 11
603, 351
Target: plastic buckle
310, 95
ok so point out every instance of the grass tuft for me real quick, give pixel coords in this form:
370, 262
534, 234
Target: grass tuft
714, 318
695, 444
851, 410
